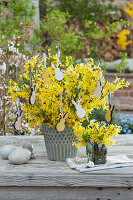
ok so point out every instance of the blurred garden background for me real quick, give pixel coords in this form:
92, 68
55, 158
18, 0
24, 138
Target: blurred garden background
98, 29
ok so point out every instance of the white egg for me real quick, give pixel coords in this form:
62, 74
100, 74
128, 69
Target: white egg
19, 156
29, 146
6, 150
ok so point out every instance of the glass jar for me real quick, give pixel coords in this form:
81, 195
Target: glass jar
96, 153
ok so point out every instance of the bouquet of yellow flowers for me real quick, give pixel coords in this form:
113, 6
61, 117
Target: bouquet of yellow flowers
96, 132
55, 95
61, 89
96, 136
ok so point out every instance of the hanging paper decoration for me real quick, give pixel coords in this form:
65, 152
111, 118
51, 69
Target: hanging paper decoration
45, 67
17, 124
32, 95
98, 91
81, 112
58, 73
109, 112
61, 124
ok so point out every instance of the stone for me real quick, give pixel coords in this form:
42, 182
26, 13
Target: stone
29, 146
6, 150
111, 66
33, 156
90, 164
19, 156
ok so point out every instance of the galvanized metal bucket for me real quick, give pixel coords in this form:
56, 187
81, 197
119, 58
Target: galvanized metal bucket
59, 144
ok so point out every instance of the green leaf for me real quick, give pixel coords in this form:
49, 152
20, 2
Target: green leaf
25, 81
85, 123
101, 138
72, 107
86, 137
86, 92
20, 84
75, 91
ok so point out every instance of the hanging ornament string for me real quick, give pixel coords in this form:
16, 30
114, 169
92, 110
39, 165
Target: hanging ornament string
100, 74
60, 102
110, 98
32, 93
44, 55
58, 59
17, 102
30, 80
17, 124
79, 93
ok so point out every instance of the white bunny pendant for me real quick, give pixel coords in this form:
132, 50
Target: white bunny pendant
17, 124
81, 112
32, 95
98, 91
61, 124
58, 73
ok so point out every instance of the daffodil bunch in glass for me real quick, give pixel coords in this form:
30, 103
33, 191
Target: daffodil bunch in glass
79, 82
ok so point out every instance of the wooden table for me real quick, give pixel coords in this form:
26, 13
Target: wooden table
42, 179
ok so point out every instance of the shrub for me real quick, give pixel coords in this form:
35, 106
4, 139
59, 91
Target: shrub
53, 26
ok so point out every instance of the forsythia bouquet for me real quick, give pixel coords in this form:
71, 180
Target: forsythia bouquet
96, 133
53, 96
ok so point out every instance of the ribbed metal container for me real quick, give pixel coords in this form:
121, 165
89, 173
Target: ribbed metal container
59, 144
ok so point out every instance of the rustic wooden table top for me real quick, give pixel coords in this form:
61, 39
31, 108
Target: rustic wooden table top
44, 179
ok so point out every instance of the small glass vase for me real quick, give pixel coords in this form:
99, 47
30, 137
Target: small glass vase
96, 153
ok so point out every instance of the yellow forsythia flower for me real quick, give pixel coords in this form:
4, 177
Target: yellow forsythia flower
80, 79
122, 38
129, 9
96, 132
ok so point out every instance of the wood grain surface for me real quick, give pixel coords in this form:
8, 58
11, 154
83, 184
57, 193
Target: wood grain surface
42, 179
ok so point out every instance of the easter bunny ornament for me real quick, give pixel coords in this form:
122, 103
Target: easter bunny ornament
98, 91
17, 124
109, 112
81, 112
61, 124
58, 73
32, 95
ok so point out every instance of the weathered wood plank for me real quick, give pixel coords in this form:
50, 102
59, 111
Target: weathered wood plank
65, 193
77, 180
43, 179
